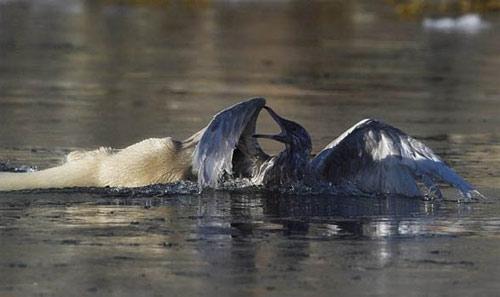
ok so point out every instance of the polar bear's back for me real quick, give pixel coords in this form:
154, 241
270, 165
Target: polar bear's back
152, 161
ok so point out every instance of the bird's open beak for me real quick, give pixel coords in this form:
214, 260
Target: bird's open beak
282, 136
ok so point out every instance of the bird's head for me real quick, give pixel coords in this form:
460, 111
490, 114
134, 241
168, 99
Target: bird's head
293, 135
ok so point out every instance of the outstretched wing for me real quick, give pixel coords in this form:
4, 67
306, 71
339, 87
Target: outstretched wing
227, 145
378, 158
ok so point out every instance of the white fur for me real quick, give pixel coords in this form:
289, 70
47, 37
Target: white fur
151, 161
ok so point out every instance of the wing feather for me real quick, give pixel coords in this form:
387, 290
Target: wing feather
228, 136
379, 158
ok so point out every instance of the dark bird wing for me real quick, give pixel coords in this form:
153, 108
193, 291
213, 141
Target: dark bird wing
227, 145
378, 158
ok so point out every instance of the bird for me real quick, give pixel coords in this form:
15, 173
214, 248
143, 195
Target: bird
291, 164
371, 156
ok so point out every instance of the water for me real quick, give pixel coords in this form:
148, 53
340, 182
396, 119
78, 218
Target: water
81, 74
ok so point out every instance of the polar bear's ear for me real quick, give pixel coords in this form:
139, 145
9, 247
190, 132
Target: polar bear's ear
75, 156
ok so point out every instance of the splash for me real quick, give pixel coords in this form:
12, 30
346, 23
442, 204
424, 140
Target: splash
5, 167
295, 189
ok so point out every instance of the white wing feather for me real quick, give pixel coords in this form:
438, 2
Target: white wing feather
378, 158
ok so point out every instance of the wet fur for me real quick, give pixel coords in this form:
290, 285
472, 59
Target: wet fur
151, 161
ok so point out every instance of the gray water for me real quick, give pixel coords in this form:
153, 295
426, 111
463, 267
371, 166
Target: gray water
80, 74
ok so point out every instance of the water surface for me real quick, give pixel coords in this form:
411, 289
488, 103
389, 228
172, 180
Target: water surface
83, 74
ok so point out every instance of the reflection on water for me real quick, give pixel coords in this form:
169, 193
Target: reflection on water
80, 74
239, 242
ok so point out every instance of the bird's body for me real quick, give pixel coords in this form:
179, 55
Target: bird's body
285, 168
